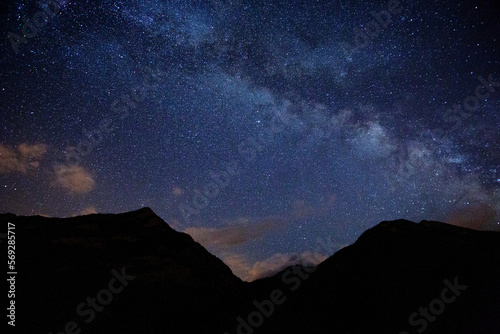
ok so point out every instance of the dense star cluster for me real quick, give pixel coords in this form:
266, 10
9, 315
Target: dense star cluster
273, 132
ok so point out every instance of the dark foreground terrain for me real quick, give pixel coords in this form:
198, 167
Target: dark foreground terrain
132, 273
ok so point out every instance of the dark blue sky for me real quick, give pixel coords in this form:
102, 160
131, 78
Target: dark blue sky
257, 127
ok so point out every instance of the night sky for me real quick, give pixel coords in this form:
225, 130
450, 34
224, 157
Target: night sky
258, 127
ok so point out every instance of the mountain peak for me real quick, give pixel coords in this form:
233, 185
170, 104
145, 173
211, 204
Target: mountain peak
146, 216
76, 256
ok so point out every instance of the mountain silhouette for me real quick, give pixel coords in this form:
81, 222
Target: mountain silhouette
132, 273
178, 285
392, 271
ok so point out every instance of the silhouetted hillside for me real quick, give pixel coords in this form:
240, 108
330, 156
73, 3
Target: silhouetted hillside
393, 269
132, 273
61, 262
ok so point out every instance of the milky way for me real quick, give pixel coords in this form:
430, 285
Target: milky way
273, 132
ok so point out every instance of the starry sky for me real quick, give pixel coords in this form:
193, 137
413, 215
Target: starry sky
273, 132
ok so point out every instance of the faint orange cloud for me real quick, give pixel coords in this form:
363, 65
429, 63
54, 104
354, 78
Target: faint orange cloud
74, 178
26, 157
175, 224
477, 217
36, 151
240, 266
232, 236
280, 261
88, 211
177, 191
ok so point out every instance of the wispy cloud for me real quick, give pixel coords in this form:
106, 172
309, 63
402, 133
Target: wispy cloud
238, 264
478, 217
75, 179
176, 191
224, 240
25, 158
280, 261
268, 267
88, 211
235, 235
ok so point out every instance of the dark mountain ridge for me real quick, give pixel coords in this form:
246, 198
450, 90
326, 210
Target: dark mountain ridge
145, 277
61, 262
392, 270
